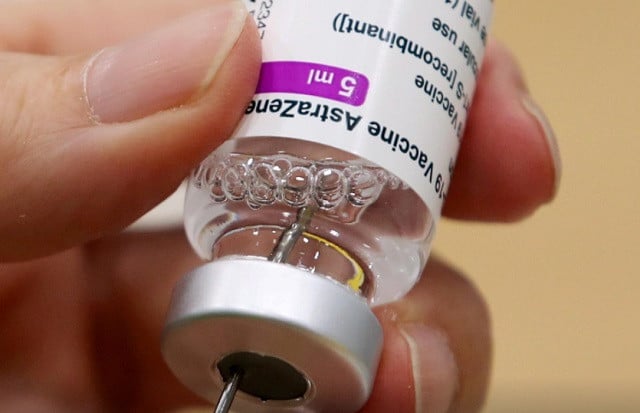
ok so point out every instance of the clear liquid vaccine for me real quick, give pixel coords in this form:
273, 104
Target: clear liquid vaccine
325, 200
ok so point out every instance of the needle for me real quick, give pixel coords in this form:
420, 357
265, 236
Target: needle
291, 235
280, 254
228, 394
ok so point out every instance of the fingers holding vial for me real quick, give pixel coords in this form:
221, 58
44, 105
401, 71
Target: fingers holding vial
438, 347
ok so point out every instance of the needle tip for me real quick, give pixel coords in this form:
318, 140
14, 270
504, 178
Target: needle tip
228, 393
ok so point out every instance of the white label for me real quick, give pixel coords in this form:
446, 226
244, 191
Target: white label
389, 81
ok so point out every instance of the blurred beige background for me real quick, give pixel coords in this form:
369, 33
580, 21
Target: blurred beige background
563, 286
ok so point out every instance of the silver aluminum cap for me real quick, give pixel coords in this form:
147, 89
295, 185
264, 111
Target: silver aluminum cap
317, 328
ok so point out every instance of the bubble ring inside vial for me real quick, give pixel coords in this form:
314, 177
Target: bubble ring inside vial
341, 189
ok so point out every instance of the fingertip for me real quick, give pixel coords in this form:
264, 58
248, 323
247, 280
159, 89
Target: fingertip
508, 164
438, 347
394, 388
547, 131
434, 368
165, 68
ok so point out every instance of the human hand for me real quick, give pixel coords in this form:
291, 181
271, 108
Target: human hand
82, 305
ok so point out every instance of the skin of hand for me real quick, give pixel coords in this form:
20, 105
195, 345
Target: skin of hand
105, 107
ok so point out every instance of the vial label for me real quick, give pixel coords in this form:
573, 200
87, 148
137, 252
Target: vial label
388, 81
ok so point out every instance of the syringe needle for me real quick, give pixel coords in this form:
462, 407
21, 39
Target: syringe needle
228, 394
291, 235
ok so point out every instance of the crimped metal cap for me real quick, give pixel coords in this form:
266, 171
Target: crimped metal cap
307, 343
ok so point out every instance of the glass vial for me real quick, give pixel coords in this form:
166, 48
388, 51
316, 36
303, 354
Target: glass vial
357, 118
337, 173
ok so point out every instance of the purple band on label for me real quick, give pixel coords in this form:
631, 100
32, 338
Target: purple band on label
314, 79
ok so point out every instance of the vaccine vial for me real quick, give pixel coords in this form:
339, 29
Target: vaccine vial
325, 201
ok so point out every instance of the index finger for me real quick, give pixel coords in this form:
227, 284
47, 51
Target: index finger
509, 163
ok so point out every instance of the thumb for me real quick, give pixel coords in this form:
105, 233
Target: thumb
88, 144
